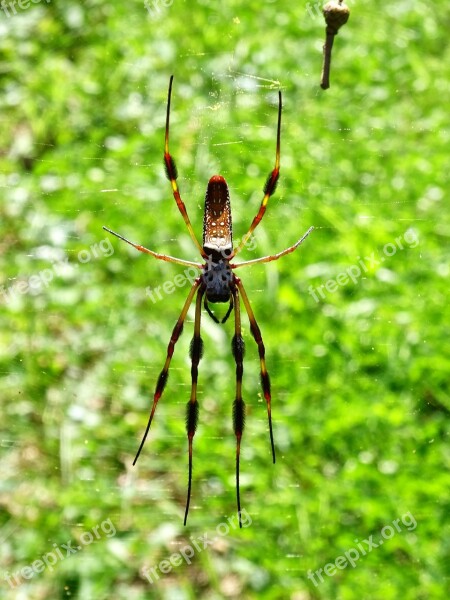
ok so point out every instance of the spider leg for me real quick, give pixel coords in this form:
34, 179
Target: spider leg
172, 175
265, 380
213, 317
228, 313
264, 259
196, 352
210, 313
269, 187
163, 376
172, 259
238, 348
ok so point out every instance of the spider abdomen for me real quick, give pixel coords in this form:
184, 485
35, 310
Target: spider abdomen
217, 230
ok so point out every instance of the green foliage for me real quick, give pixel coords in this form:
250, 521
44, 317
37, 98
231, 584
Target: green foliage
359, 377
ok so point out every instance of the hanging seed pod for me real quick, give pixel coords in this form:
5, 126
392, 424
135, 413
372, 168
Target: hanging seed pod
336, 14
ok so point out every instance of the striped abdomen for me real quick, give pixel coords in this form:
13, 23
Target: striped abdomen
217, 230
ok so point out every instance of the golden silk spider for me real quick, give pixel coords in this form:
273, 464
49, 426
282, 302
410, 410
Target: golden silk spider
216, 282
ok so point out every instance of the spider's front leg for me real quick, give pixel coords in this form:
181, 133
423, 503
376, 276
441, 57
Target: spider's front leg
265, 380
162, 379
238, 349
196, 352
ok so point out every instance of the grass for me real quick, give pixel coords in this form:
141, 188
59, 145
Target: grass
360, 377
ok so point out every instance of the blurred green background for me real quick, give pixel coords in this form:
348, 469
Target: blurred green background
359, 370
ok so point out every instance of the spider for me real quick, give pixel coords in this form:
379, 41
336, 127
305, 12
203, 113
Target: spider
216, 283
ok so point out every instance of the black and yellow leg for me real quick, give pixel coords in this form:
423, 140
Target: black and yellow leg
172, 175
196, 352
269, 187
238, 349
162, 379
265, 380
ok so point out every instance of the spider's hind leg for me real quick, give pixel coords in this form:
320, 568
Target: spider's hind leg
269, 187
172, 175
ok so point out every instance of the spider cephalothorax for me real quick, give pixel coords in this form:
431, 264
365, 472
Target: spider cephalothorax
216, 283
217, 278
